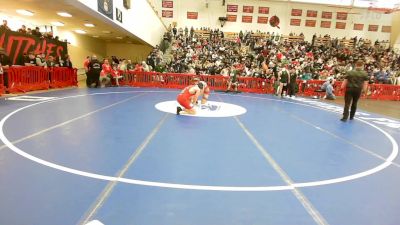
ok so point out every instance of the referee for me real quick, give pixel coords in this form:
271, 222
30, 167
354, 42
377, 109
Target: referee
355, 82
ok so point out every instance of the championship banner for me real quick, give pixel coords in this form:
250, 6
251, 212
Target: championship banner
326, 24
386, 29
247, 19
311, 23
326, 15
192, 15
262, 19
167, 4
248, 9
167, 13
231, 18
263, 10
312, 13
340, 25
16, 44
373, 28
297, 12
341, 15
105, 7
232, 8
358, 26
295, 22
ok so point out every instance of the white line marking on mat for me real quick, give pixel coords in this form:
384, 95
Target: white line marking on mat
69, 121
30, 98
22, 153
311, 210
110, 186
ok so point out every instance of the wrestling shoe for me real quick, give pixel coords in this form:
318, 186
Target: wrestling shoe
178, 110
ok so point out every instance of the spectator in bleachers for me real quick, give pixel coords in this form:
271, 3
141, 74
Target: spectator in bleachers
115, 60
60, 62
22, 29
5, 25
106, 68
5, 64
36, 32
397, 79
381, 76
104, 79
253, 55
31, 59
174, 31
67, 61
145, 67
41, 60
116, 74
51, 62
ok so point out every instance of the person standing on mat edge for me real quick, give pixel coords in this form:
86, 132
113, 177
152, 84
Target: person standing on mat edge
187, 96
356, 81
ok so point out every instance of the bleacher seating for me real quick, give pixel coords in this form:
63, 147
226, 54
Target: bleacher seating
230, 36
261, 35
203, 34
292, 38
348, 43
322, 41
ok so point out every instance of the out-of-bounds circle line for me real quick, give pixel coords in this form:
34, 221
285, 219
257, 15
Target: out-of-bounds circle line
20, 152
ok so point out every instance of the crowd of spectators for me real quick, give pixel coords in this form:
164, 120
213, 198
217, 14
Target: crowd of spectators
102, 73
35, 31
249, 55
30, 58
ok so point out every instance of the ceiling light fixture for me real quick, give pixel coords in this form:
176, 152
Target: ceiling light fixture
80, 31
25, 12
57, 24
64, 14
89, 25
119, 38
106, 32
95, 36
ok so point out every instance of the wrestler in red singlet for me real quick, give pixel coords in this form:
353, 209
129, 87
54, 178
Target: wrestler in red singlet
184, 98
187, 96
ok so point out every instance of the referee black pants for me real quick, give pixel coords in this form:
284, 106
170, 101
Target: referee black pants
351, 97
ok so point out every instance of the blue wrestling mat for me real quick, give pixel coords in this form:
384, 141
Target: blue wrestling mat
122, 157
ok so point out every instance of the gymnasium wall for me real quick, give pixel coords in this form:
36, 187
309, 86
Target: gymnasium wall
208, 17
134, 52
140, 20
81, 46
395, 38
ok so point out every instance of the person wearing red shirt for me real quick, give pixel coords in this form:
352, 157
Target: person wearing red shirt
139, 67
106, 67
105, 73
279, 56
310, 55
187, 96
116, 74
